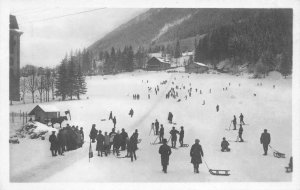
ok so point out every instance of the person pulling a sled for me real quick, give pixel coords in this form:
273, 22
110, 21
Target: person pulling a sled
196, 154
225, 145
165, 152
265, 140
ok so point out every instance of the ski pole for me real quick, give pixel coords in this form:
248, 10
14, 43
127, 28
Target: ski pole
169, 138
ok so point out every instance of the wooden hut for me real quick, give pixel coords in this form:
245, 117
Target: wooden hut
43, 113
156, 64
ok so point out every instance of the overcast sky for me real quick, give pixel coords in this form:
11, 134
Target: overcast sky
44, 43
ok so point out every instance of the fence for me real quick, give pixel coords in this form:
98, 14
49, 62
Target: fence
18, 119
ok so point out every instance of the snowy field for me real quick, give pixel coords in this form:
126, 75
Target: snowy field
31, 160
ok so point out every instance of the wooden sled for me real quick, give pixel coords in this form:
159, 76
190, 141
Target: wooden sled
103, 119
278, 154
219, 172
155, 143
184, 145
288, 169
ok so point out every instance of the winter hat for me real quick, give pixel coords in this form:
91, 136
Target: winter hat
197, 141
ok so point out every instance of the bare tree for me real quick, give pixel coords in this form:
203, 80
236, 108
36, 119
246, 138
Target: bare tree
52, 83
40, 86
32, 83
23, 88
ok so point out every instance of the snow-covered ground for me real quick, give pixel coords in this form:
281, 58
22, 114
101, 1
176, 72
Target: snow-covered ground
31, 160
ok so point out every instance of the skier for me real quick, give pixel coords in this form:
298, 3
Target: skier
106, 143
265, 140
181, 135
114, 121
196, 153
217, 108
240, 133
234, 122
100, 143
161, 133
93, 133
131, 112
110, 115
173, 133
124, 136
165, 152
242, 119
170, 117
53, 146
224, 145
156, 127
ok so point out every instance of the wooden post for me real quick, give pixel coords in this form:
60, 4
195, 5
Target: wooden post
23, 118
26, 117
20, 114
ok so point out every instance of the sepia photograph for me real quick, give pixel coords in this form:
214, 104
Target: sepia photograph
150, 94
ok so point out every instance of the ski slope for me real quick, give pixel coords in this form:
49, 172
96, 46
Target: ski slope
31, 161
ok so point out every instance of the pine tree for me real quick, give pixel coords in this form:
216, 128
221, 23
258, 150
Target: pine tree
80, 84
61, 80
177, 52
71, 78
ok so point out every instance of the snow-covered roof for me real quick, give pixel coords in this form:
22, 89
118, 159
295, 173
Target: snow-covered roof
162, 60
45, 108
201, 64
188, 53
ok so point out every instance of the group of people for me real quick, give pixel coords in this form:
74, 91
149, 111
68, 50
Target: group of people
115, 142
136, 96
68, 138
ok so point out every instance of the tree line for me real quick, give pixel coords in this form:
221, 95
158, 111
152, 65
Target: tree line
265, 42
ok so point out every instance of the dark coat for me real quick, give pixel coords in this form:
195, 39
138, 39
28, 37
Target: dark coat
196, 153
60, 138
241, 130
100, 142
93, 133
162, 131
181, 135
132, 144
53, 141
265, 138
117, 140
157, 125
124, 135
224, 144
174, 134
165, 152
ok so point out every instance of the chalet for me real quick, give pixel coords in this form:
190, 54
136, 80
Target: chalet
43, 113
156, 64
196, 67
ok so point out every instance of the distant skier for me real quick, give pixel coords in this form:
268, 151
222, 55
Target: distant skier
265, 140
203, 102
165, 152
224, 145
148, 96
114, 121
131, 112
242, 119
173, 133
53, 146
161, 133
196, 154
217, 108
93, 133
156, 127
170, 117
181, 136
241, 133
110, 116
234, 122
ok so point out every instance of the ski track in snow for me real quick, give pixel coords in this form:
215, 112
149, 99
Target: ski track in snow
31, 161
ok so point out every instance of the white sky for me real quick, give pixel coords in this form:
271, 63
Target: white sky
45, 43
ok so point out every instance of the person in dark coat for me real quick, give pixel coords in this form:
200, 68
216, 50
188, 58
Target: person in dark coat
110, 116
111, 137
100, 143
124, 136
106, 143
60, 142
224, 145
93, 133
217, 108
241, 133
265, 140
181, 136
174, 133
234, 122
242, 119
53, 146
165, 152
132, 147
82, 134
196, 154
117, 143
161, 133
114, 121
136, 137
170, 117
131, 112
156, 127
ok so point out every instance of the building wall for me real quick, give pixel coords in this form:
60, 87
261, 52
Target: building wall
193, 68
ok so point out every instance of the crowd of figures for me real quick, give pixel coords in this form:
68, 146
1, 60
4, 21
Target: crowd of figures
68, 138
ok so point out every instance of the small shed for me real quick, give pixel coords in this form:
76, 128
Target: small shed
196, 67
156, 64
44, 113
